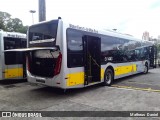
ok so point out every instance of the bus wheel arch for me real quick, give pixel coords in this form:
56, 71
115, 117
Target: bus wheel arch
146, 68
108, 76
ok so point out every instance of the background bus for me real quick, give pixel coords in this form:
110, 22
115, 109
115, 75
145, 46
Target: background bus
12, 64
158, 59
149, 53
69, 56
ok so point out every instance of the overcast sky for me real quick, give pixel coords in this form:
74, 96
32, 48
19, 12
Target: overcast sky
127, 16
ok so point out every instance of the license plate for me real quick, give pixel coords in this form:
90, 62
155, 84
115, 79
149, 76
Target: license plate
41, 81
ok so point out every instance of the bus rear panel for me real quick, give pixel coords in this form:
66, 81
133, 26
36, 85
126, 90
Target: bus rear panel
12, 63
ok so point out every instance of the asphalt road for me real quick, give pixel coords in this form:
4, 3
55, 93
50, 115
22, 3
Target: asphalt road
135, 93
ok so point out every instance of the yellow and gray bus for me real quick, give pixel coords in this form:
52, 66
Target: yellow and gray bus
158, 59
64, 55
12, 63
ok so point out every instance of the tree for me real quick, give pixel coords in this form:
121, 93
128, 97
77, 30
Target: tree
158, 47
4, 18
11, 24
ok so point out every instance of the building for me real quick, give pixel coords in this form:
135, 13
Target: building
145, 36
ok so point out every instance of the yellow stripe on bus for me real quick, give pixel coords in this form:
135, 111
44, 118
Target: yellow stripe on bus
78, 78
75, 78
120, 70
102, 74
13, 73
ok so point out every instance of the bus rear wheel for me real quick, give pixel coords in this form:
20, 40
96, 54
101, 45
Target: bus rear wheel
108, 77
145, 69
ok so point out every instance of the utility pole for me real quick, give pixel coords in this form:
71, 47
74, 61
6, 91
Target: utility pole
42, 10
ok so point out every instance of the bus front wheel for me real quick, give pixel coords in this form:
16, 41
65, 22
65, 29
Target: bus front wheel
108, 77
145, 69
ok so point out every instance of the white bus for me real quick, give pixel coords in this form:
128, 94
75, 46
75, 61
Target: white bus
12, 63
158, 59
66, 56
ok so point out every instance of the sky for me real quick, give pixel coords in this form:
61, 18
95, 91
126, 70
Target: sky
127, 16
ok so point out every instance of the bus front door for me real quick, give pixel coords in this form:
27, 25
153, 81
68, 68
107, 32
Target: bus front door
152, 56
92, 59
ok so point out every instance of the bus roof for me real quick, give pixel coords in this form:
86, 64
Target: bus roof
96, 31
102, 31
13, 34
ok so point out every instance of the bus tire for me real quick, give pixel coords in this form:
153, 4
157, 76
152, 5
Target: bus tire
159, 63
146, 68
108, 77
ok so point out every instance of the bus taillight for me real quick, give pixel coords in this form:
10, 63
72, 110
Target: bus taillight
27, 63
58, 65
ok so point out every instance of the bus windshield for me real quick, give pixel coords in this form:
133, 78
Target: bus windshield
42, 33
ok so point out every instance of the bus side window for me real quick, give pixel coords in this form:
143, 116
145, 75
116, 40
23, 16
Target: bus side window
145, 53
137, 54
74, 48
111, 47
131, 55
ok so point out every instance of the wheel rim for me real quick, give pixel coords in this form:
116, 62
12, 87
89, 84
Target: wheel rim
145, 69
108, 78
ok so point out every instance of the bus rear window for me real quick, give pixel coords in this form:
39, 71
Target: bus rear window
43, 31
14, 43
12, 58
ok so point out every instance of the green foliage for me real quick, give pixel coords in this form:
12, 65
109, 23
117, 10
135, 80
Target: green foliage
158, 48
11, 24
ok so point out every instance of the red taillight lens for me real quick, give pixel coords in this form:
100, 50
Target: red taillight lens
27, 63
58, 65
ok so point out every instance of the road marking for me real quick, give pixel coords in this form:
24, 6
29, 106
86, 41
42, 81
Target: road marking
136, 88
141, 83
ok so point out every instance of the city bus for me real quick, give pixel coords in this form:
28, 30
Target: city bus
63, 55
12, 63
150, 51
158, 59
